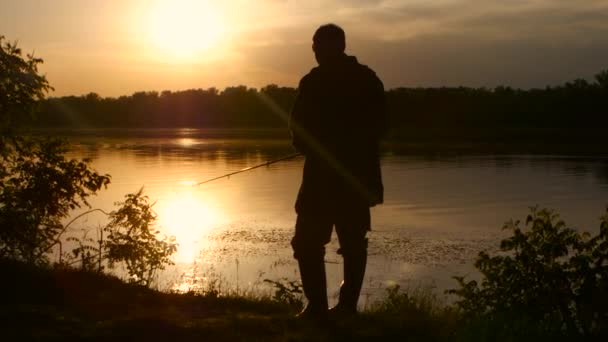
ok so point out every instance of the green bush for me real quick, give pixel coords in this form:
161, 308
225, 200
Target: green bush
546, 280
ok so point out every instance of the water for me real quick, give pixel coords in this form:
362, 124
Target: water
439, 211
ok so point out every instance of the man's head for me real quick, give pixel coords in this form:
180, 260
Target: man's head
328, 43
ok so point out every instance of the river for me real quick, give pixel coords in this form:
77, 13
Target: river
439, 210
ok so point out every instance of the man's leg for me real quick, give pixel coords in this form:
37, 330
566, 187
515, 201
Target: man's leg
312, 233
351, 227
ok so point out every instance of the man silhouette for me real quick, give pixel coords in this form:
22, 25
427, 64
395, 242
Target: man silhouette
337, 122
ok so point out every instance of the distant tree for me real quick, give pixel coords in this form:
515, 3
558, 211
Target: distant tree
578, 84
92, 97
575, 109
602, 79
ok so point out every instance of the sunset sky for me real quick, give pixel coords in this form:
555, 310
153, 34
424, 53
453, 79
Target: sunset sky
117, 47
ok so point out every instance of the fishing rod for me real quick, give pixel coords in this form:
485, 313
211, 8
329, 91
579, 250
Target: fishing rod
291, 156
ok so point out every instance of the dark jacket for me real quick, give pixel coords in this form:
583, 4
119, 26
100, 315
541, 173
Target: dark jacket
337, 122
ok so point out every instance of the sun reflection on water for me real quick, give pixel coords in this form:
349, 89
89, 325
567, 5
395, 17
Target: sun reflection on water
186, 142
188, 215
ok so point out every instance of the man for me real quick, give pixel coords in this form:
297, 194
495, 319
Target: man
337, 122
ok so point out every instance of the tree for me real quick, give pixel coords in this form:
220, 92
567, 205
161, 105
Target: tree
21, 87
602, 79
38, 185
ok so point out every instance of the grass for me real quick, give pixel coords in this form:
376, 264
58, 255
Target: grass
52, 304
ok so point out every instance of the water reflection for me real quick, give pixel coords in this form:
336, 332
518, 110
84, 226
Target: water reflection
192, 145
440, 211
188, 214
186, 142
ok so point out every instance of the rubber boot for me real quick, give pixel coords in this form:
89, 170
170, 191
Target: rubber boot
350, 289
314, 283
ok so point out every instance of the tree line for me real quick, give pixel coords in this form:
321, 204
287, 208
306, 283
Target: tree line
578, 105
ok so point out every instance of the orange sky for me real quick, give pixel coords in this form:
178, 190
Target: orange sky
114, 47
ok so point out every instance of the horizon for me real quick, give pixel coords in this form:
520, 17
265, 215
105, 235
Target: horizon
221, 90
116, 48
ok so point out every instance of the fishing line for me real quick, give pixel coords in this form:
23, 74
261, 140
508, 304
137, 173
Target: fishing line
268, 163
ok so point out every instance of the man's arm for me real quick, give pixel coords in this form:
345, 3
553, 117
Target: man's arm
380, 109
297, 119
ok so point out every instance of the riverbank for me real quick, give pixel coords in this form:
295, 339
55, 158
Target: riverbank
52, 304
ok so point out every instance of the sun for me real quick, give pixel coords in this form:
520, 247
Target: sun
186, 30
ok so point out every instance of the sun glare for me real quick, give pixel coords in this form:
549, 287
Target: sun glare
188, 217
186, 30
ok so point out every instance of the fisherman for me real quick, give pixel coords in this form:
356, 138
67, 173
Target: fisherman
337, 122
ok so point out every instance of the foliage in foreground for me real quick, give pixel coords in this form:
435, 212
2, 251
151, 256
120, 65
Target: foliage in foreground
66, 302
130, 237
133, 239
547, 280
287, 291
40, 187
414, 314
543, 276
21, 86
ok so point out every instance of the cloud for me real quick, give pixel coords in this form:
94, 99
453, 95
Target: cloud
459, 59
394, 20
522, 43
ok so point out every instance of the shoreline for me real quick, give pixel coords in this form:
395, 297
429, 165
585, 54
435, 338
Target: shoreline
551, 142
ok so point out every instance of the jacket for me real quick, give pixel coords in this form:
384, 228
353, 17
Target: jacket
337, 121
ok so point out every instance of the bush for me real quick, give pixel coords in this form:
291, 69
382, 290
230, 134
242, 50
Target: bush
547, 280
39, 188
133, 240
38, 185
287, 291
